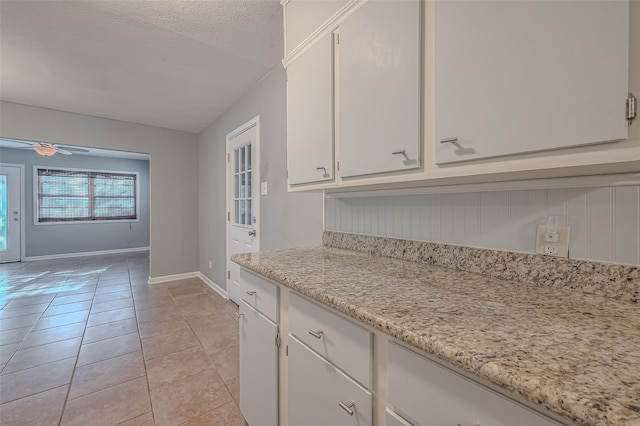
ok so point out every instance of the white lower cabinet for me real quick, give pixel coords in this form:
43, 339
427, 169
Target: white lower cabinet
258, 367
336, 371
321, 395
423, 392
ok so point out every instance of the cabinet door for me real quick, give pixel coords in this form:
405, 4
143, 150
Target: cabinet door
258, 368
379, 88
317, 389
310, 114
521, 76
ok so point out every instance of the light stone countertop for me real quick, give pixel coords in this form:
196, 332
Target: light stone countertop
576, 354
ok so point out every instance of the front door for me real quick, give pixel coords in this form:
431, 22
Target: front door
243, 199
10, 216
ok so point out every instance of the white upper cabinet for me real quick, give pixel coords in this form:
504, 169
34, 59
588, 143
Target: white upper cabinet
310, 131
521, 76
304, 17
379, 88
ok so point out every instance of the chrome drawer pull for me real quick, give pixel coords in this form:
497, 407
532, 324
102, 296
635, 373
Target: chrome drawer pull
449, 140
239, 315
251, 293
316, 334
347, 407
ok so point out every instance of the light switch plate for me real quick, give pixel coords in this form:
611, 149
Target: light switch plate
558, 249
263, 188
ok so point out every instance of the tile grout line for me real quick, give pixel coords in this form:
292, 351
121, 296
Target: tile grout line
75, 365
144, 361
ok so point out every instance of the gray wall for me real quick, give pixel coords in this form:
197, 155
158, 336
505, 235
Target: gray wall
52, 239
288, 219
173, 172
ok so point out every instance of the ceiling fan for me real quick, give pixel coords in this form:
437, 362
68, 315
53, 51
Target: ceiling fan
47, 149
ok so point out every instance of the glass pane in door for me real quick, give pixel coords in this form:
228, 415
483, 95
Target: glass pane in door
242, 186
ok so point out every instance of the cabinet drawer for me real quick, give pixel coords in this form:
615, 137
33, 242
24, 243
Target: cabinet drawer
430, 394
340, 341
259, 294
317, 389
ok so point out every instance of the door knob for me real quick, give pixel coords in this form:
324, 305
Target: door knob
252, 233
15, 212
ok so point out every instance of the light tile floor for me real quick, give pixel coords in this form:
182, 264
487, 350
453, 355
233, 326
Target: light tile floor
86, 341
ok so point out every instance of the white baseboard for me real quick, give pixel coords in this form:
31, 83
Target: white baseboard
176, 277
82, 254
213, 285
186, 275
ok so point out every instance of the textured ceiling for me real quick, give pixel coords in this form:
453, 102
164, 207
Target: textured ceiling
174, 63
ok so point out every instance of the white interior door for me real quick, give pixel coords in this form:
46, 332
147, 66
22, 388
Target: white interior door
10, 214
243, 199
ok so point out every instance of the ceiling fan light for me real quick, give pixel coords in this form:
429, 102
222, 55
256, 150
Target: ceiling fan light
45, 150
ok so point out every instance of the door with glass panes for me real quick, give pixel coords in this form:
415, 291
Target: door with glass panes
10, 217
243, 200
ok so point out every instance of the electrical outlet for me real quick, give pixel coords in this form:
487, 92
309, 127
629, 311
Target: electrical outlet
559, 248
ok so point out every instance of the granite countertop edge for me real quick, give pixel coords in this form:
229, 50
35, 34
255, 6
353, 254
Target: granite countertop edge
428, 341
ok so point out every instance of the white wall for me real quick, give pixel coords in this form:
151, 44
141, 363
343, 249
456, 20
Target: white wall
80, 237
288, 219
605, 222
173, 171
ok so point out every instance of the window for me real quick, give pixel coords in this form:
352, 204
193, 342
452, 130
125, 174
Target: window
82, 195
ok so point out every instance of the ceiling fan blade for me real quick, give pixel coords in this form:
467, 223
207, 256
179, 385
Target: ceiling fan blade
67, 148
19, 141
63, 151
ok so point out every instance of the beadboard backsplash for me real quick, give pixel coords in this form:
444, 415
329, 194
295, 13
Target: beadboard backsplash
604, 221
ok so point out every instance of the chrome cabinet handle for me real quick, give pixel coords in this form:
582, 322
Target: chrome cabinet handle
347, 407
316, 334
324, 169
449, 140
239, 315
252, 233
251, 293
403, 152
